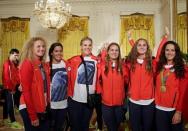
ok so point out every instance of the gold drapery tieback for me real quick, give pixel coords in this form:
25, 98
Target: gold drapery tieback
14, 24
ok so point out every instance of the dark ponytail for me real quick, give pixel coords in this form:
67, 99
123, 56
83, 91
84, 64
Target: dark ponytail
50, 55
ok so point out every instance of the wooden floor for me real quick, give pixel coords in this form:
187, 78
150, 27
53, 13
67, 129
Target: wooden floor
18, 118
124, 126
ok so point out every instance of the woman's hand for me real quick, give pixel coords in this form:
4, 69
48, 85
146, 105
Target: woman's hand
129, 34
35, 123
176, 118
167, 32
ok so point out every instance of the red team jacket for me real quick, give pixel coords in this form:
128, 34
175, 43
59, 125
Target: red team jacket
141, 84
10, 76
32, 85
185, 98
72, 67
175, 91
111, 85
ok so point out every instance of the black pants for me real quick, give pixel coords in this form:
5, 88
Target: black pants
17, 97
164, 121
141, 116
8, 107
113, 116
5, 112
98, 108
79, 114
58, 117
43, 125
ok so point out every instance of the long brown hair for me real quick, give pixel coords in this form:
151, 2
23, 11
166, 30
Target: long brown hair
119, 60
133, 55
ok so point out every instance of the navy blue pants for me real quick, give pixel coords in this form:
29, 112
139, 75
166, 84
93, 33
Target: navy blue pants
43, 125
141, 116
113, 116
164, 121
17, 95
9, 105
58, 117
5, 111
79, 114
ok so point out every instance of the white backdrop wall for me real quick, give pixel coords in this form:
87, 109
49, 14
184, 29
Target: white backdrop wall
104, 17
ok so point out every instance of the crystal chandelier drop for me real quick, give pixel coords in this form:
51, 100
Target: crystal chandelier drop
52, 14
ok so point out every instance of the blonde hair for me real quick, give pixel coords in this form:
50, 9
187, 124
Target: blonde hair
86, 38
27, 50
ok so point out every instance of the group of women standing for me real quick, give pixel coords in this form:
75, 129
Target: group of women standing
155, 86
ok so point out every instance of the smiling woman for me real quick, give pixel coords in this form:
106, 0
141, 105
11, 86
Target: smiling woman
58, 88
82, 71
112, 79
170, 88
170, 53
35, 81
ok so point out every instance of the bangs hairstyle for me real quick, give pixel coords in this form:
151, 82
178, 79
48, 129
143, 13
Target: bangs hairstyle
27, 51
178, 60
119, 60
86, 38
133, 55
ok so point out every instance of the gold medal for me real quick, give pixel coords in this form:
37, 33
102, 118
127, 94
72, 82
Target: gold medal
164, 78
163, 88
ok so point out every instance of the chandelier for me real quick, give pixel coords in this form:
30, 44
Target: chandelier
52, 14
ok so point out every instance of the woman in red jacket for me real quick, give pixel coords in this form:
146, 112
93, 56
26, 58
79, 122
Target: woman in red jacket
141, 87
141, 84
79, 86
35, 81
170, 88
10, 80
112, 77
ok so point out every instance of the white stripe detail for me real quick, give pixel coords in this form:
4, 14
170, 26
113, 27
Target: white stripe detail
22, 106
164, 108
142, 102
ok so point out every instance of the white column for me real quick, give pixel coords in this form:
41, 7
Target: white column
158, 30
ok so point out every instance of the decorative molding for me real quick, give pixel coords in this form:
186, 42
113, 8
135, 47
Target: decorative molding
23, 2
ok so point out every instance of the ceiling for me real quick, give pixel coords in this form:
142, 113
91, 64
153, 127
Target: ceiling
29, 1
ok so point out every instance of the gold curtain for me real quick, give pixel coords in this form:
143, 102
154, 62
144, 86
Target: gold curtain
182, 32
142, 26
71, 34
14, 32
